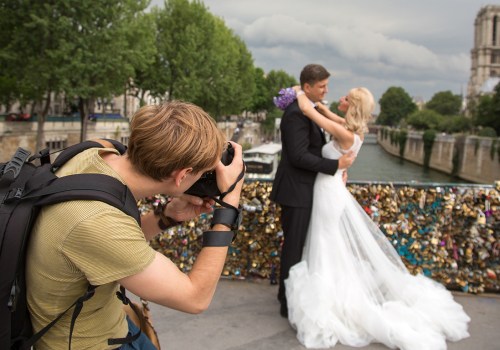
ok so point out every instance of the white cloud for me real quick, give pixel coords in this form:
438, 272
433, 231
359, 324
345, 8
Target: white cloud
423, 46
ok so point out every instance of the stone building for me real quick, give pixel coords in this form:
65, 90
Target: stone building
485, 56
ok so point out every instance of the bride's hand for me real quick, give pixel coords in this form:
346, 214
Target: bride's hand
296, 88
321, 107
346, 160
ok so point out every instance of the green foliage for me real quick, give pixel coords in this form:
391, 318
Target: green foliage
385, 133
268, 125
261, 95
476, 146
493, 148
395, 105
455, 124
402, 137
277, 80
246, 146
428, 137
267, 87
455, 161
81, 49
199, 59
487, 132
425, 119
445, 103
392, 136
487, 111
334, 107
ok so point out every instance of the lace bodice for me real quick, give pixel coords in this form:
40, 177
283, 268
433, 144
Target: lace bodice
332, 149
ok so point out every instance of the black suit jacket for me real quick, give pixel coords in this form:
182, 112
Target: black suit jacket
301, 159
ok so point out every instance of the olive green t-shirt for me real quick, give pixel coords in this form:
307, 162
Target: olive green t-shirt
76, 243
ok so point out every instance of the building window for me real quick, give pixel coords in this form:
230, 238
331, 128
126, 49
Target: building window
124, 140
494, 36
495, 57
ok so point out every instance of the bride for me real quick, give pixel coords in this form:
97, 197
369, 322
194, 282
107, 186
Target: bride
351, 285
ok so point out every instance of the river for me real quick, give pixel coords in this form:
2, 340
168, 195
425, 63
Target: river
374, 164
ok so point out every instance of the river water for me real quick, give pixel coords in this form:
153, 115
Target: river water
374, 164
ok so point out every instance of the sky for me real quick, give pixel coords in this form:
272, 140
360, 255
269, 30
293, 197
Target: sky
422, 46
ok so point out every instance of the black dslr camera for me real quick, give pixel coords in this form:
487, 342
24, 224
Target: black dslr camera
206, 186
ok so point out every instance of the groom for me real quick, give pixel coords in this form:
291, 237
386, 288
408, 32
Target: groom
301, 160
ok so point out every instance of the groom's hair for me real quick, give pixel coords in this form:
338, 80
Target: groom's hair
312, 73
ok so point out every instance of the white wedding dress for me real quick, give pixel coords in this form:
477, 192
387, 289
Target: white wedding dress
352, 287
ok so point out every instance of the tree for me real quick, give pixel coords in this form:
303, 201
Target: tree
200, 60
455, 124
79, 48
395, 105
112, 39
425, 119
231, 76
445, 103
260, 98
487, 111
35, 53
275, 81
334, 107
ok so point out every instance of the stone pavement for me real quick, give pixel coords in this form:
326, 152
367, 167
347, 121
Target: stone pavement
245, 315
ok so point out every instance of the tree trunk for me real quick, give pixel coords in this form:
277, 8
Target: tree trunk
40, 136
141, 98
125, 103
84, 117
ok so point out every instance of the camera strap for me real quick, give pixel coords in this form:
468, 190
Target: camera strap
222, 195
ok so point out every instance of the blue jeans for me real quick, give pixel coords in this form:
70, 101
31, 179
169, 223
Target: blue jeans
141, 343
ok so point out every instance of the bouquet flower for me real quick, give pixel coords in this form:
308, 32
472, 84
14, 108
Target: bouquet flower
285, 98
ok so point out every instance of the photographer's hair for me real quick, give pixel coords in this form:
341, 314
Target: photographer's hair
312, 73
359, 113
172, 136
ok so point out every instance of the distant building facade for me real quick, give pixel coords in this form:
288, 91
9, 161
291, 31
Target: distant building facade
485, 56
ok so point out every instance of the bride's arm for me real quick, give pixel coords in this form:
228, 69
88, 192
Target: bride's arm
337, 130
329, 114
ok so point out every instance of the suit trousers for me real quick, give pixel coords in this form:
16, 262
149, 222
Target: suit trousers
295, 222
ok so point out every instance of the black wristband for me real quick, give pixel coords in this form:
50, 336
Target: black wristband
170, 222
217, 238
229, 217
165, 222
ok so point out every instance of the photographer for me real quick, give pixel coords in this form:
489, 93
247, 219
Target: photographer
80, 242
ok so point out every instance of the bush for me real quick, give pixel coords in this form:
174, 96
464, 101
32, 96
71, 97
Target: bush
487, 132
403, 136
428, 138
456, 124
425, 119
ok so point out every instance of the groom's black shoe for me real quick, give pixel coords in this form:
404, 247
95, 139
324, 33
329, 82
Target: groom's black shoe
284, 310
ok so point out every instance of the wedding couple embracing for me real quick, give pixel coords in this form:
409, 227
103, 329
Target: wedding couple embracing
341, 280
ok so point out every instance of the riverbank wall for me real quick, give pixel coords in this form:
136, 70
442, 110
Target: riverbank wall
472, 158
59, 132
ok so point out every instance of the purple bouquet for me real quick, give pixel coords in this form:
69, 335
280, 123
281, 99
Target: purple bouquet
285, 98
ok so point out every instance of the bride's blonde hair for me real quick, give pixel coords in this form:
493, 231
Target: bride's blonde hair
359, 113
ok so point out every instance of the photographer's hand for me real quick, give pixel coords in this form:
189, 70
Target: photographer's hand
187, 207
179, 209
228, 174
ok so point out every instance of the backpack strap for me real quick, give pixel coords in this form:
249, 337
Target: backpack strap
42, 187
88, 187
78, 304
72, 151
129, 338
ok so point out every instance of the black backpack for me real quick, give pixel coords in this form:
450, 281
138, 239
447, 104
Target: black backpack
24, 188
